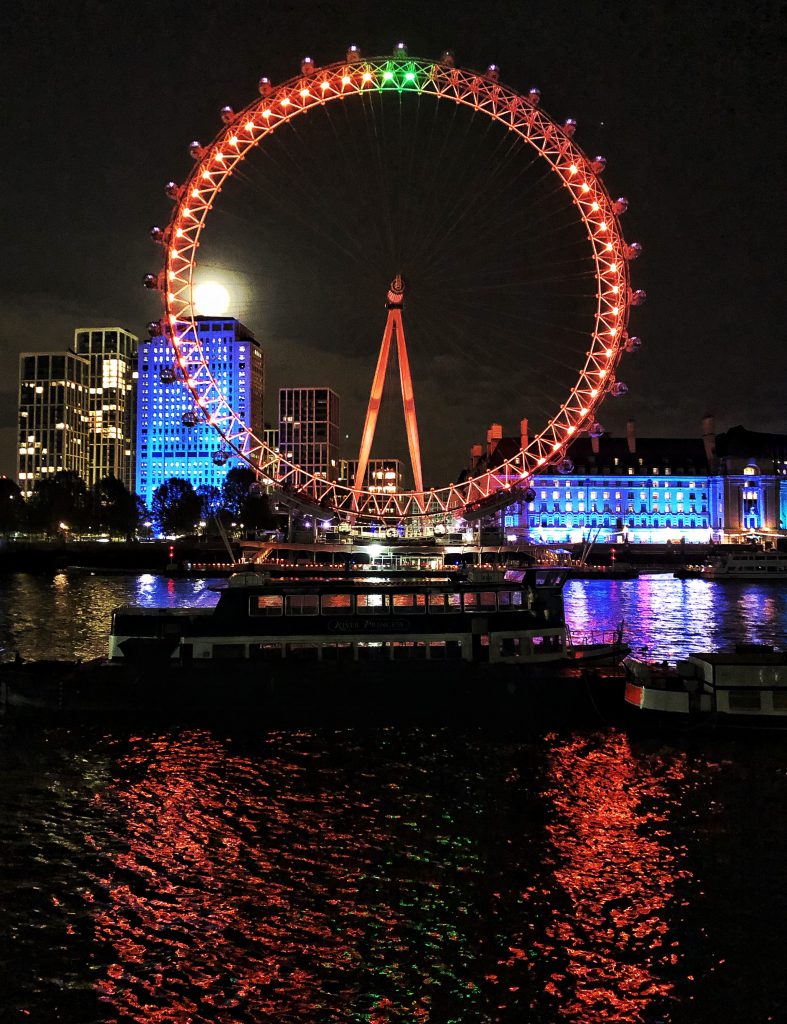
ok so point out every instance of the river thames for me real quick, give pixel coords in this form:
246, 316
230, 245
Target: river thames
411, 873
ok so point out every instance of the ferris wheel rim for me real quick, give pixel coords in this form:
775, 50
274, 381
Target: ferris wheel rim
315, 87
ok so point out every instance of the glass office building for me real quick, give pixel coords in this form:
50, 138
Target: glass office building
166, 447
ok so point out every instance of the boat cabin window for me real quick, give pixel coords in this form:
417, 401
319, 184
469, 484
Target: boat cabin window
549, 578
267, 604
546, 643
229, 652
409, 650
265, 652
303, 652
441, 604
372, 604
510, 600
372, 651
303, 604
744, 700
337, 604
409, 604
445, 650
338, 652
134, 625
480, 601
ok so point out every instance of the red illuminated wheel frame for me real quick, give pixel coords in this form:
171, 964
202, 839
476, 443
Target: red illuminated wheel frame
521, 114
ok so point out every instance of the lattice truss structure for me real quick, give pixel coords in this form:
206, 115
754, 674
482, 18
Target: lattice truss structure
483, 92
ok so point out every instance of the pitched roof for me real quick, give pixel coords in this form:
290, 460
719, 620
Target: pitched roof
738, 442
680, 455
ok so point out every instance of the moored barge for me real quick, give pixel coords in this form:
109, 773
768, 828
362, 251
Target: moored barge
744, 688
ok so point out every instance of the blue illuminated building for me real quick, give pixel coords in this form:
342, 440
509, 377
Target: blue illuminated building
165, 446
651, 490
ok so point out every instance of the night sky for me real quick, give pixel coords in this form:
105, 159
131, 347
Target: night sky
685, 101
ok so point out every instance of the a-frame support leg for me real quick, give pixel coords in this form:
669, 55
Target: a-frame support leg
393, 323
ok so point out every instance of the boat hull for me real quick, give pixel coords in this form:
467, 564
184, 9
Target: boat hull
538, 694
670, 701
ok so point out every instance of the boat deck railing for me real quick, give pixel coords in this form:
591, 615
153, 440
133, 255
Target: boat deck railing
612, 635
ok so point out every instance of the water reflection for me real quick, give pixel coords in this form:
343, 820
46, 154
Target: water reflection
167, 592
238, 891
389, 875
620, 875
668, 618
67, 615
470, 881
757, 607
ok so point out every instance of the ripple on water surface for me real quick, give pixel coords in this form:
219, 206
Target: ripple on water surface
354, 876
68, 615
392, 875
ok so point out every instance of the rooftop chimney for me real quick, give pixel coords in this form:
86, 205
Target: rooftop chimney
594, 444
476, 454
524, 437
493, 436
709, 439
631, 437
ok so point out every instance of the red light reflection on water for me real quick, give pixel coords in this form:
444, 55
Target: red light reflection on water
217, 909
281, 885
614, 863
199, 916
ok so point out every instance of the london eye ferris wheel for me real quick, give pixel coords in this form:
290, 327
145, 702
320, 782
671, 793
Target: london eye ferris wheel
566, 346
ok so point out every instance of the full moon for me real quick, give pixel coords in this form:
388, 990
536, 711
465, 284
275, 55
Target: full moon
211, 299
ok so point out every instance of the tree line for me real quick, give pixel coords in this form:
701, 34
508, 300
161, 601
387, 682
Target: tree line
64, 504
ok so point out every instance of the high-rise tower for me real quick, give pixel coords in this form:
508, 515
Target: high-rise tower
166, 446
111, 353
53, 416
309, 429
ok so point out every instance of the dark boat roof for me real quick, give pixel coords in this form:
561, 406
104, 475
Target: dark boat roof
369, 581
257, 583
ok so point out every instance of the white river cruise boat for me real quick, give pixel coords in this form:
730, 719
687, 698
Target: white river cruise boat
747, 565
745, 687
513, 618
336, 642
